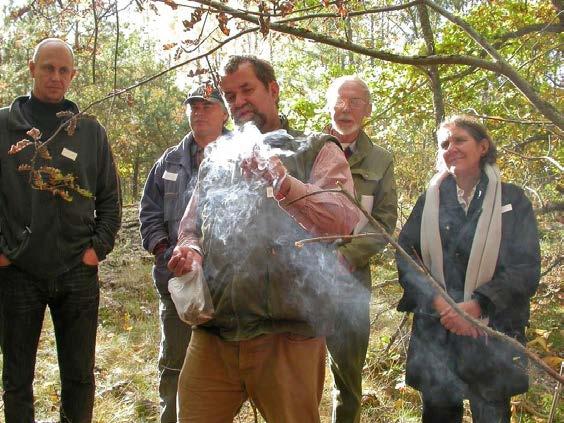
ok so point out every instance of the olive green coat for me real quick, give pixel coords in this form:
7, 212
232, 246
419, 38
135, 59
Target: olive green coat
372, 170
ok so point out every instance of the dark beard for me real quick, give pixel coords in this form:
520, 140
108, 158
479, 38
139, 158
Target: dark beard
259, 119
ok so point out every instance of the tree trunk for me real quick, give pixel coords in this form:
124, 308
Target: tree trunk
433, 70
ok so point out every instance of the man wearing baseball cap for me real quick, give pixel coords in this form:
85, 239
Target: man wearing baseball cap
167, 191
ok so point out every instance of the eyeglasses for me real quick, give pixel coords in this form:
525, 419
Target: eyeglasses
354, 103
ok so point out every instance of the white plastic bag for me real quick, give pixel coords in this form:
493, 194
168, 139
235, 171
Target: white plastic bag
191, 296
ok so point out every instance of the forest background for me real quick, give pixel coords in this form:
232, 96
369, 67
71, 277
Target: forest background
499, 60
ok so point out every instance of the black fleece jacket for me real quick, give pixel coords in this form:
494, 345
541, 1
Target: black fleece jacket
41, 233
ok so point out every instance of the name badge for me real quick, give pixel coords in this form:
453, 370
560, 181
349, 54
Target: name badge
69, 154
506, 208
170, 176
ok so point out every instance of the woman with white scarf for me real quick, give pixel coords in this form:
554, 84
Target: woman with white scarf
478, 237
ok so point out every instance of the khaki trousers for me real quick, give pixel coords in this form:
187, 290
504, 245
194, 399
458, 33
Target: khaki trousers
282, 374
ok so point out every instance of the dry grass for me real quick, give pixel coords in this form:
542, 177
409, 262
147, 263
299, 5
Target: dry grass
128, 342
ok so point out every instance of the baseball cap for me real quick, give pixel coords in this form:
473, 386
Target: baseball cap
205, 92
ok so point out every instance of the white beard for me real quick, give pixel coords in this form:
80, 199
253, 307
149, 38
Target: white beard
345, 131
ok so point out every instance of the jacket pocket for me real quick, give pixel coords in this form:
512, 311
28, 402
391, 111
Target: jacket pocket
13, 238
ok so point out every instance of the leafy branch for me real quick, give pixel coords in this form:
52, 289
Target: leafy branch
497, 65
48, 178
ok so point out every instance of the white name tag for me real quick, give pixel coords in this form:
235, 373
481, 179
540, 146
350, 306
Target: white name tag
270, 192
69, 154
506, 208
170, 176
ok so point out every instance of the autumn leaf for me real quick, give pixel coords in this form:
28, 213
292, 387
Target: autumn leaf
19, 146
223, 19
343, 12
168, 46
540, 342
553, 361
195, 17
34, 133
286, 7
264, 25
171, 4
64, 113
71, 127
43, 152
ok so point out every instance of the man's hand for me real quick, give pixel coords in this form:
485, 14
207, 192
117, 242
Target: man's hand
270, 170
183, 259
456, 324
90, 258
4, 261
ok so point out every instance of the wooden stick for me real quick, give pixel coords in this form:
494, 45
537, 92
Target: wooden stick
300, 244
555, 398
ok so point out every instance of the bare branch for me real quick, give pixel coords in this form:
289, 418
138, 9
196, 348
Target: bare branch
499, 65
167, 70
551, 207
555, 398
95, 44
552, 161
541, 27
509, 120
551, 266
396, 333
300, 243
374, 10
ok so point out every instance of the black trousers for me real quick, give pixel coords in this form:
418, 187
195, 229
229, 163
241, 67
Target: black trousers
482, 411
73, 299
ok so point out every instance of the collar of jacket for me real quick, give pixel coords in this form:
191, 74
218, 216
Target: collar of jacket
180, 154
362, 148
450, 199
16, 117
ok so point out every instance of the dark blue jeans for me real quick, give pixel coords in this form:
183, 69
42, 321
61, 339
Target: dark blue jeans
73, 299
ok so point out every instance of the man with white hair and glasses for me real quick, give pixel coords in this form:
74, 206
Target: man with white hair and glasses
349, 103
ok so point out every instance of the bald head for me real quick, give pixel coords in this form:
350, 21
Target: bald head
52, 70
50, 41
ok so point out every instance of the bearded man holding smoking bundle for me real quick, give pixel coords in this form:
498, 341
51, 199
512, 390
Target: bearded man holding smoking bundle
273, 302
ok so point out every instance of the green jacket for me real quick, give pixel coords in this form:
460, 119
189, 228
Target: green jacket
372, 169
259, 281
